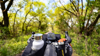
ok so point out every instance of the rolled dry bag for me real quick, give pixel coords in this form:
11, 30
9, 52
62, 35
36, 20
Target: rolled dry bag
50, 50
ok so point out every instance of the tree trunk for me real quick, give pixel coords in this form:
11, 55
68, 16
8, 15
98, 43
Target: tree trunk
88, 29
26, 19
92, 26
5, 14
6, 19
39, 27
27, 26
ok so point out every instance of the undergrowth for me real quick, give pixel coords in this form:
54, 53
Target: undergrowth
11, 47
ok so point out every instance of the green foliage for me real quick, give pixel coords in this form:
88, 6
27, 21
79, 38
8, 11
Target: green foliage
28, 7
3, 51
11, 47
57, 18
3, 32
39, 4
84, 46
32, 13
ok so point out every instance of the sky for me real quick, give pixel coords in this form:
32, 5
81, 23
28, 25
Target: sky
47, 2
63, 1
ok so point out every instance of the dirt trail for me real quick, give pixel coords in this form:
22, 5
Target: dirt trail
74, 54
20, 53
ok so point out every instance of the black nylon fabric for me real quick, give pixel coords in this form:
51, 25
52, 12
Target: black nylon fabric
44, 37
40, 52
50, 50
27, 49
67, 37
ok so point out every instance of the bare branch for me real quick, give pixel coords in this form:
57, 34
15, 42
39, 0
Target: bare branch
67, 9
74, 5
9, 5
70, 12
91, 27
26, 18
27, 13
89, 17
28, 25
86, 12
1, 1
78, 8
2, 5
87, 23
82, 27
96, 20
14, 20
72, 8
5, 1
30, 21
82, 7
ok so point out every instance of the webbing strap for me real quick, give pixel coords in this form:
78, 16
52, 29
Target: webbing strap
63, 52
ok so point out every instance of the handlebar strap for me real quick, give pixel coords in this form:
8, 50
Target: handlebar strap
62, 52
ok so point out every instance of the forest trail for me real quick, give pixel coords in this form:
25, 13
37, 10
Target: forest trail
74, 54
20, 53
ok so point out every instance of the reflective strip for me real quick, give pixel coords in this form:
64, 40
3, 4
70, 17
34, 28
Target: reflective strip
58, 43
61, 43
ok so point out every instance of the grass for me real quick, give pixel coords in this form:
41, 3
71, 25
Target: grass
82, 47
11, 47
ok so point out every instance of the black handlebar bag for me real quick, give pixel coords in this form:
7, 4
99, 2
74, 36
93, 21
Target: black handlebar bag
28, 51
46, 50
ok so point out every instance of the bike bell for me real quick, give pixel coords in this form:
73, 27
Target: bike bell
38, 42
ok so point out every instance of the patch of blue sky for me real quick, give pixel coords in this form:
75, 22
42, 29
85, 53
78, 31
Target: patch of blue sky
12, 7
48, 3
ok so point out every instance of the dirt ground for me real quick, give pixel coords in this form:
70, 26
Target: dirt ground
20, 53
74, 54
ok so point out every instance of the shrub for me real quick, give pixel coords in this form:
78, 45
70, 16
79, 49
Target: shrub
85, 46
13, 46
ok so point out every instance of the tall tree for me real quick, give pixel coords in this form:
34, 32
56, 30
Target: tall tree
39, 14
5, 12
84, 16
28, 8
